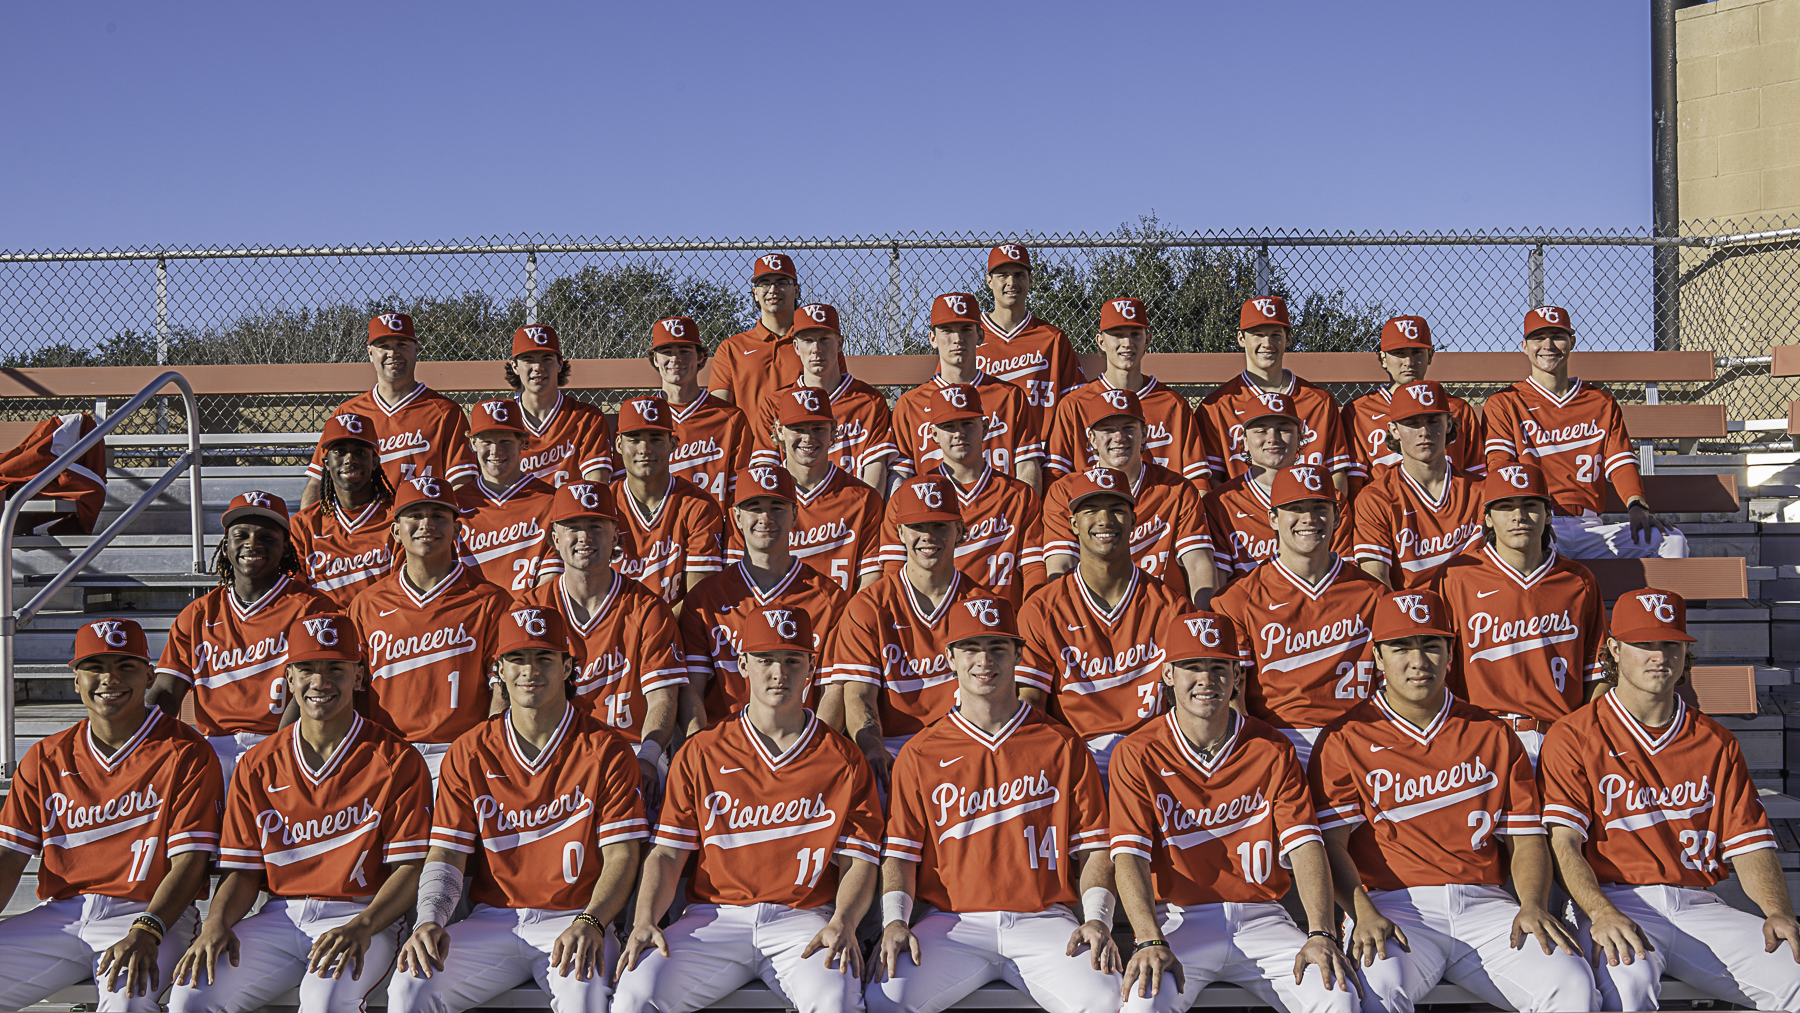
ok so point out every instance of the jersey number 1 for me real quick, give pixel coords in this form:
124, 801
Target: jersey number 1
1046, 850
814, 858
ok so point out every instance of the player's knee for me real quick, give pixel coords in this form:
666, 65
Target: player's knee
845, 998
407, 994
1628, 986
1566, 983
1166, 999
1091, 992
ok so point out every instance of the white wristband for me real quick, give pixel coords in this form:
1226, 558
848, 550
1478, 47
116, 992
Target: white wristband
440, 889
649, 751
1097, 905
896, 906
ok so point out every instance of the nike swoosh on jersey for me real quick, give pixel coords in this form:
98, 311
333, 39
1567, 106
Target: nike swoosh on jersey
1381, 416
1277, 605
390, 612
1166, 772
270, 787
496, 777
729, 770
751, 351
1074, 629
1243, 514
946, 763
900, 627
1484, 594
1373, 748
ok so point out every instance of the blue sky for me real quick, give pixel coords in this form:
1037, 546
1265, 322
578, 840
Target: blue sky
213, 123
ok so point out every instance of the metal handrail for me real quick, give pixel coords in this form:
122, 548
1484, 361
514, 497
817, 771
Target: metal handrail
11, 620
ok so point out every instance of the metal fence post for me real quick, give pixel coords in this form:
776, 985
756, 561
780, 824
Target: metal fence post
894, 339
531, 287
1262, 270
1536, 262
162, 337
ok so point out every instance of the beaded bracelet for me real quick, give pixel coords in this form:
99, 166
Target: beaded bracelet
1321, 932
591, 920
1146, 944
150, 924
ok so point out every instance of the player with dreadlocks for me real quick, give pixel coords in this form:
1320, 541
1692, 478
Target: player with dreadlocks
345, 541
229, 647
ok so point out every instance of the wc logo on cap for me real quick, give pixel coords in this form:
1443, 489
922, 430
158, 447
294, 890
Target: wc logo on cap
111, 633
1408, 327
1415, 608
1118, 399
427, 487
1264, 306
772, 261
351, 423
532, 621
766, 478
392, 321
1308, 476
1204, 629
323, 632
782, 622
646, 408
929, 493
1658, 606
1516, 476
984, 611
675, 327
538, 334
496, 410
807, 398
586, 494
1102, 478
1422, 393
1549, 314
1126, 309
958, 397
955, 303
1012, 252
816, 312
256, 499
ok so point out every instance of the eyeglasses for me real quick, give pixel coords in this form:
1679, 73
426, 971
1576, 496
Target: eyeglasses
779, 283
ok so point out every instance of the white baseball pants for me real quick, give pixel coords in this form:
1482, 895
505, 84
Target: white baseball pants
500, 948
1304, 739
1585, 537
1249, 945
59, 943
1699, 939
716, 949
1102, 746
433, 754
230, 749
962, 952
1463, 934
272, 958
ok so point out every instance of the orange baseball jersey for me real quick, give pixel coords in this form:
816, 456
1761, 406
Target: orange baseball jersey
1656, 805
1365, 423
1035, 356
995, 823
752, 815
1005, 532
234, 656
330, 832
865, 427
627, 648
1397, 523
1101, 668
429, 654
1323, 440
341, 553
1578, 439
1309, 645
1214, 831
1526, 643
886, 640
712, 625
426, 435
109, 825
680, 538
1012, 433
837, 529
1171, 522
750, 365
566, 444
1426, 804
712, 443
535, 818
504, 534
1172, 432
1237, 515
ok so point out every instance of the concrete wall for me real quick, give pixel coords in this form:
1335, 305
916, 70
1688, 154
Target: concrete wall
1738, 94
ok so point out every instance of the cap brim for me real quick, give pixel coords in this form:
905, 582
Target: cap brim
321, 655
955, 416
1651, 635
931, 517
578, 514
1419, 631
239, 513
1075, 504
1096, 420
349, 438
1217, 655
519, 432
1295, 419
1396, 346
145, 658
985, 633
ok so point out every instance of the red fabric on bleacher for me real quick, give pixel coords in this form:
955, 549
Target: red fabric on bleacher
83, 483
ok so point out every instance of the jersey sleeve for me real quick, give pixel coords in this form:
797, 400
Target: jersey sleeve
621, 811
1373, 529
695, 625
1212, 440
723, 378
1360, 466
1567, 793
1502, 429
1059, 537
408, 820
1335, 440
1029, 446
596, 448
1037, 667
660, 657
1064, 451
1069, 376
1132, 816
1593, 620
880, 444
454, 826
855, 649
20, 828
870, 557
762, 417
1190, 448
181, 655
1523, 813
1333, 784
1088, 831
1621, 456
704, 554
1192, 532
194, 824
1745, 827
1224, 549
863, 824
893, 554
240, 846
457, 456
1471, 439
907, 822
678, 825
1292, 807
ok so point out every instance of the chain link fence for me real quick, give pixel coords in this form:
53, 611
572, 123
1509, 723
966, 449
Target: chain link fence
1735, 293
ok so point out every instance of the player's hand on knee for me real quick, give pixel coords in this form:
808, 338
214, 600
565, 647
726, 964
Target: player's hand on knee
1146, 969
840, 946
896, 939
643, 938
1780, 929
425, 950
1549, 930
1335, 970
580, 949
134, 959
338, 948
1369, 939
1099, 941
1618, 939
202, 956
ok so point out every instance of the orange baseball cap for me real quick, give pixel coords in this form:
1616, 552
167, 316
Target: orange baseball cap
1427, 397
776, 629
1548, 316
581, 499
255, 503
503, 413
797, 406
1273, 405
1085, 485
773, 263
110, 636
763, 480
675, 331
1199, 635
529, 626
982, 617
1126, 312
391, 325
1109, 402
955, 308
1300, 483
955, 402
1649, 614
348, 426
1516, 479
644, 413
1405, 332
815, 316
326, 637
1009, 253
1401, 614
423, 490
925, 499
1264, 309
536, 338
